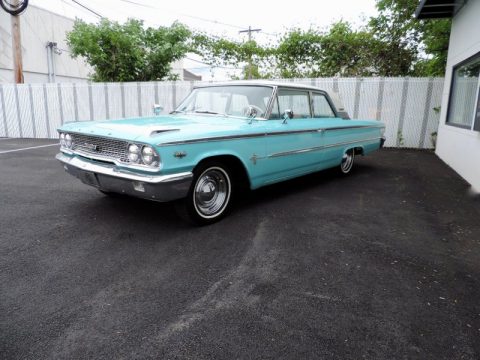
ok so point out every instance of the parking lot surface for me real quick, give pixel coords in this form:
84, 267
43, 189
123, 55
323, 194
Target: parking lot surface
381, 264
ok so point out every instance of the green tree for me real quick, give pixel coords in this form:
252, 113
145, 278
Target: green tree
218, 51
128, 52
414, 47
340, 51
298, 53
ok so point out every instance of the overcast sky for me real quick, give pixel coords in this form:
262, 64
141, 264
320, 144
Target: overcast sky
221, 17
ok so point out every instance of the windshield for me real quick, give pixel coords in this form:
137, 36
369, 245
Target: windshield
234, 100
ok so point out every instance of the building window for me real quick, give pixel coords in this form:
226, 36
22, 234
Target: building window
464, 93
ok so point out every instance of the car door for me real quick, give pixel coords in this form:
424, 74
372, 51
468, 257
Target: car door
332, 125
294, 144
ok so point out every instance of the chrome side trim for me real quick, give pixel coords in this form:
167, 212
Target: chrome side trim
317, 148
111, 170
214, 138
353, 127
294, 152
236, 137
276, 133
350, 142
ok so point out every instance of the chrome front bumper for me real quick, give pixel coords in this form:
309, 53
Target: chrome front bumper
109, 178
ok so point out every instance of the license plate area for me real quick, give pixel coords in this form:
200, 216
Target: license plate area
89, 178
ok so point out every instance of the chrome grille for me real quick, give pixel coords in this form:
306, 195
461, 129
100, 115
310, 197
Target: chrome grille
99, 146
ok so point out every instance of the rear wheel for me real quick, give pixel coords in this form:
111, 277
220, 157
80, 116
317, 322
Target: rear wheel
209, 196
347, 162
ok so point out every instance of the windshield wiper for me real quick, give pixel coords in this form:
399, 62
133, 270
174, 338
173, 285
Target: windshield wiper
176, 112
207, 112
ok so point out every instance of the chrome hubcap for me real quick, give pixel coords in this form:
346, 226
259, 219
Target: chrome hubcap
212, 192
347, 162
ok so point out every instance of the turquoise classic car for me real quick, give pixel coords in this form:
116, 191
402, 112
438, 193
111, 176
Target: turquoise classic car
222, 136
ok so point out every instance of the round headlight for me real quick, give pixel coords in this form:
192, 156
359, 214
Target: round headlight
62, 139
68, 141
148, 155
133, 153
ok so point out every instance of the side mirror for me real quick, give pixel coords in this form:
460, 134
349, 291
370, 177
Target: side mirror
287, 114
157, 109
250, 112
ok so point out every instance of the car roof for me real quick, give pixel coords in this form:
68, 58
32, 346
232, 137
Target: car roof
259, 83
334, 96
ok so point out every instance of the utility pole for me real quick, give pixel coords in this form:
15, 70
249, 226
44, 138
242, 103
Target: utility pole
249, 31
17, 48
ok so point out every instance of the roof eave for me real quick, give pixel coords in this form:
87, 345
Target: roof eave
438, 9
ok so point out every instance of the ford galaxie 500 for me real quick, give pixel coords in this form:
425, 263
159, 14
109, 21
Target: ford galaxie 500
222, 136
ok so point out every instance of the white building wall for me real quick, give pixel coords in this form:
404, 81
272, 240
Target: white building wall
39, 26
460, 148
177, 69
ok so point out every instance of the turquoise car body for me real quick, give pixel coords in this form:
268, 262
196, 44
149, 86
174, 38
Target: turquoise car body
270, 150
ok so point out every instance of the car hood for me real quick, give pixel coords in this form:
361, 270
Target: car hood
159, 129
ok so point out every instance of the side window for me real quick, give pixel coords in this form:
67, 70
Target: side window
295, 100
321, 107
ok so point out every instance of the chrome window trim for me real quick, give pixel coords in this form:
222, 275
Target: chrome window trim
267, 109
268, 113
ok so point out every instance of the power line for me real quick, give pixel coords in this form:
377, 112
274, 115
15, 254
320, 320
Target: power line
182, 14
139, 4
209, 65
197, 61
87, 8
212, 21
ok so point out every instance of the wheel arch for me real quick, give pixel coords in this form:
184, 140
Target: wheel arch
358, 150
238, 167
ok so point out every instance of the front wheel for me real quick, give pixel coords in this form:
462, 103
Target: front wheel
347, 162
209, 196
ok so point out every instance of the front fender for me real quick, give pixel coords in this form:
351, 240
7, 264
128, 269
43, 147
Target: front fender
186, 157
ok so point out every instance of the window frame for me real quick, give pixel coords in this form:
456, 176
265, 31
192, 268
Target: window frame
309, 101
329, 102
311, 92
475, 125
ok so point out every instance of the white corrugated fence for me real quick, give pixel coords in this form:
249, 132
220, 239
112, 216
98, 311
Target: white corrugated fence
409, 107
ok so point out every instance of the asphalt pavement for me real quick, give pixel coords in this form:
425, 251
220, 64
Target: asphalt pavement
381, 264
